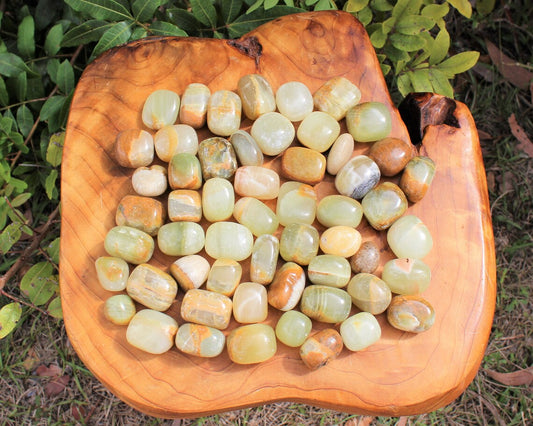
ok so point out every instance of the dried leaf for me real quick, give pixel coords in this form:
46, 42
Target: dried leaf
57, 382
484, 136
31, 360
402, 421
518, 132
509, 68
516, 378
44, 371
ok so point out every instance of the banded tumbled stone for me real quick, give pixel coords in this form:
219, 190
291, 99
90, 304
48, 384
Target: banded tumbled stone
112, 272
411, 313
299, 243
391, 155
256, 94
296, 203
228, 240
184, 171
329, 269
321, 348
369, 121
206, 307
286, 289
273, 133
190, 271
357, 177
383, 205
303, 165
160, 109
144, 213
340, 241
335, 210
224, 110
217, 158
409, 237
152, 287
200, 340
256, 181
150, 181
152, 331
218, 199
119, 309
369, 293
224, 276
131, 244
336, 96
417, 177
180, 238
264, 259
250, 303
184, 205
173, 139
134, 148
318, 131
360, 331
251, 344
326, 304
294, 100
193, 109
406, 276
293, 328
256, 216
246, 149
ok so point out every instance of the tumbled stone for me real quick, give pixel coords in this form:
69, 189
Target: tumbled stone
417, 178
258, 182
406, 276
358, 176
409, 237
184, 205
224, 109
217, 158
180, 238
360, 331
366, 259
286, 289
251, 344
200, 340
264, 259
326, 304
152, 287
193, 109
190, 271
256, 216
369, 121
184, 171
383, 205
144, 213
149, 181
296, 203
228, 240
173, 139
134, 148
218, 199
411, 313
391, 155
246, 148
340, 152
328, 269
206, 307
303, 165
299, 243
318, 131
340, 241
369, 293
321, 348
336, 96
160, 109
294, 100
250, 303
112, 272
256, 94
119, 309
335, 210
152, 331
224, 276
293, 328
273, 133
131, 244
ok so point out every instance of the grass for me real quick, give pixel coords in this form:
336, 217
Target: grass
40, 339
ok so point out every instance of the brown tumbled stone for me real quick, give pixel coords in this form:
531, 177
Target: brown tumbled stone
391, 155
303, 165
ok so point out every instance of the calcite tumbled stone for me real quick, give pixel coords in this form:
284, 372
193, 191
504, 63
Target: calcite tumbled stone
152, 331
321, 348
417, 178
409, 237
325, 303
200, 340
144, 213
299, 243
411, 313
286, 289
112, 272
303, 165
256, 94
206, 307
360, 331
131, 244
357, 177
193, 109
264, 259
369, 121
383, 205
391, 155
250, 304
152, 287
217, 158
134, 148
251, 344
293, 328
406, 276
369, 293
336, 96
224, 110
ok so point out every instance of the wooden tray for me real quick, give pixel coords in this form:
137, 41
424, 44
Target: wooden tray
403, 373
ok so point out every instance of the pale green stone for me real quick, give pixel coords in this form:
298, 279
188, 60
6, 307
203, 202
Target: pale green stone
383, 205
256, 216
294, 100
112, 272
299, 243
200, 340
409, 237
293, 328
180, 238
224, 110
246, 148
251, 344
160, 109
119, 309
130, 244
152, 331
339, 210
206, 307
369, 293
406, 276
184, 171
218, 199
193, 109
325, 304
330, 270
228, 239
152, 287
256, 95
296, 203
264, 260
250, 304
273, 133
336, 96
224, 276
318, 131
369, 121
360, 331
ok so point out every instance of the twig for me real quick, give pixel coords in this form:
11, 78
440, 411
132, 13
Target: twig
16, 299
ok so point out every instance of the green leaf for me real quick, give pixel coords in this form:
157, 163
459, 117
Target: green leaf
11, 65
394, 54
381, 5
385, 68
406, 7
9, 236
255, 6
378, 38
325, 5
247, 22
404, 84
420, 80
440, 83
47, 11
86, 32
39, 284
4, 96
354, 6
51, 68
162, 28
54, 308
183, 19
119, 33
435, 11
484, 7
143, 10
413, 24
54, 151
9, 317
269, 4
458, 63
53, 250
440, 47
24, 120
137, 33
463, 7
205, 12
20, 199
52, 43
112, 10
50, 184
365, 15
22, 86
230, 10
388, 24
26, 37
407, 43
65, 77
51, 107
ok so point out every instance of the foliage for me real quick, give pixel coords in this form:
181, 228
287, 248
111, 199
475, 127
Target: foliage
44, 48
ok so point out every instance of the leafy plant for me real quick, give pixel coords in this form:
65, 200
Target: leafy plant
44, 48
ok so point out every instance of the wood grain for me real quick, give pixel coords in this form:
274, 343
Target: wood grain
402, 374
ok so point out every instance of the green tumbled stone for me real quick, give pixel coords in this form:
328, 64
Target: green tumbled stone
228, 239
207, 308
321, 348
256, 95
264, 259
273, 133
411, 313
152, 331
200, 340
383, 205
360, 331
326, 304
293, 328
119, 309
180, 238
299, 243
250, 304
330, 270
339, 210
152, 287
224, 110
217, 158
369, 121
218, 199
318, 131
336, 96
246, 148
406, 276
409, 237
296, 203
256, 216
160, 109
251, 344
417, 177
184, 171
112, 272
369, 293
224, 276
130, 244
357, 177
